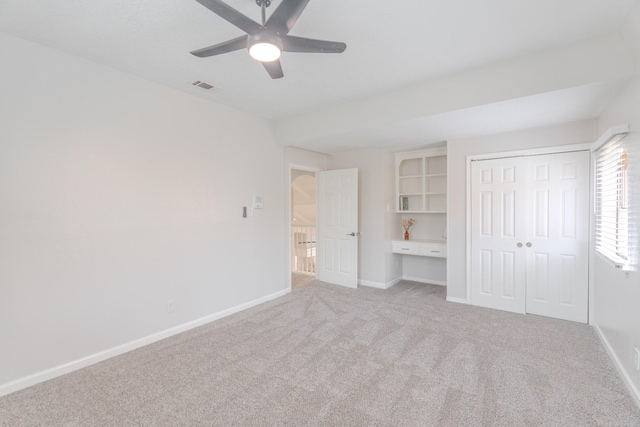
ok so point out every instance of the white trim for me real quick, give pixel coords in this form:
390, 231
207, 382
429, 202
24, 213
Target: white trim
592, 237
423, 280
468, 229
394, 282
608, 135
532, 152
613, 263
506, 154
369, 284
66, 368
633, 390
379, 285
303, 168
457, 300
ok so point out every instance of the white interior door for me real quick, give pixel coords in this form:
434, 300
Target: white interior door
558, 243
498, 264
530, 234
338, 227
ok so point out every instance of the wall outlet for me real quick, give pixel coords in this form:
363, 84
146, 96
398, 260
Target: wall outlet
171, 306
636, 358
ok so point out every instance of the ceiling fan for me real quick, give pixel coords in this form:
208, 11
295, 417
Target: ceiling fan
268, 40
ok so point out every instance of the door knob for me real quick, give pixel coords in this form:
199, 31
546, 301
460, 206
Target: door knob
519, 245
354, 234
528, 244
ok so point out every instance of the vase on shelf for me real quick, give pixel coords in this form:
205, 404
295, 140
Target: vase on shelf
406, 226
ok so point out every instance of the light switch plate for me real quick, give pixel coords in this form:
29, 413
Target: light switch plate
258, 202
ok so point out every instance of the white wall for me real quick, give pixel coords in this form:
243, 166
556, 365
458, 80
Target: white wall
377, 265
301, 157
392, 220
427, 226
617, 294
118, 195
458, 150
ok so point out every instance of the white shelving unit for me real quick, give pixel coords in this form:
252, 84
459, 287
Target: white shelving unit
421, 181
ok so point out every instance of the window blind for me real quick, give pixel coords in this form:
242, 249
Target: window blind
617, 201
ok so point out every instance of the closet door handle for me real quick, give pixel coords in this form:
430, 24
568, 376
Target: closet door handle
528, 244
519, 245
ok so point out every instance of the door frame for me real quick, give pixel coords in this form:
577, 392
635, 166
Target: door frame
291, 167
521, 153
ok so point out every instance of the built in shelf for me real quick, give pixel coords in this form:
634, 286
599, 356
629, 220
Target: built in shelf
421, 181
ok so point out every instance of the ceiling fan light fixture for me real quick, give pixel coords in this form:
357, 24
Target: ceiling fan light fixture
265, 52
264, 47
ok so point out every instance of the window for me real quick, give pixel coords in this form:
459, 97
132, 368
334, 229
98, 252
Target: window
614, 224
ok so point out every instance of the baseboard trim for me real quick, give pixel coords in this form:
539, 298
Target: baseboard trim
423, 280
633, 390
379, 285
66, 368
394, 282
457, 300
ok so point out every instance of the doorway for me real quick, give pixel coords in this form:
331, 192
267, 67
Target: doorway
323, 226
303, 226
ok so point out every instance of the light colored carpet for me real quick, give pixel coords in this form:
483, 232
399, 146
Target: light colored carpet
300, 279
326, 355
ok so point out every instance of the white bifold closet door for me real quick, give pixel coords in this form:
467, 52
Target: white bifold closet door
530, 234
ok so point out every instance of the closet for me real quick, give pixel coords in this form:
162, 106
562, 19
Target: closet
530, 234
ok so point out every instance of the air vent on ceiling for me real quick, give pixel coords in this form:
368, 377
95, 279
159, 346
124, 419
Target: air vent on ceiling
203, 85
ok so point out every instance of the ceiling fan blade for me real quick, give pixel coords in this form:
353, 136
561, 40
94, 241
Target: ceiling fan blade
285, 16
301, 44
224, 47
274, 69
228, 13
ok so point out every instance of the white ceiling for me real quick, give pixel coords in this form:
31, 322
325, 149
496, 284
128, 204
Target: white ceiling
391, 46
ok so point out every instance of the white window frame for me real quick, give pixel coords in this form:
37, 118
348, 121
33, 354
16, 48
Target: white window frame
613, 196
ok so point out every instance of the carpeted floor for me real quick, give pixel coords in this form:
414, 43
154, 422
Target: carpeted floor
326, 355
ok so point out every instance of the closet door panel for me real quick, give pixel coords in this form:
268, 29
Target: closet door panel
557, 260
497, 263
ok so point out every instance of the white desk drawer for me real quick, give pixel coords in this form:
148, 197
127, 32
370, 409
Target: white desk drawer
409, 248
433, 250
430, 249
